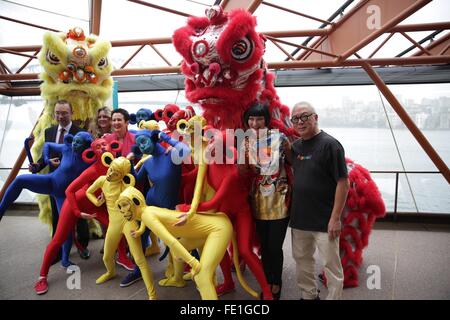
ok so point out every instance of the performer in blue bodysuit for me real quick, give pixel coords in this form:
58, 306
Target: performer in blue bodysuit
162, 171
56, 182
142, 114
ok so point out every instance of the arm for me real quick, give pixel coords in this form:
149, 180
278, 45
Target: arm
51, 147
180, 150
138, 166
139, 232
90, 192
219, 196
334, 225
201, 176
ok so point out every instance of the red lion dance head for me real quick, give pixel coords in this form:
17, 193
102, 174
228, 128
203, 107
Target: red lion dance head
224, 68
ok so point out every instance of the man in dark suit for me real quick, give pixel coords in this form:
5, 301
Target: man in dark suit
63, 115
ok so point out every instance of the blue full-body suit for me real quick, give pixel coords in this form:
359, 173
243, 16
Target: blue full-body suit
56, 182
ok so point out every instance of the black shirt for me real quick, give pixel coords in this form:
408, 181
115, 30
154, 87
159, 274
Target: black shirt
318, 164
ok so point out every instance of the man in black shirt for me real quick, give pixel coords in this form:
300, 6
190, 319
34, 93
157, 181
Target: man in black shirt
319, 193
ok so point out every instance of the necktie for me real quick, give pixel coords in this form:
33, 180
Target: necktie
61, 136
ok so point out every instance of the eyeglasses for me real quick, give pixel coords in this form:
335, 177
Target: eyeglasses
302, 118
62, 114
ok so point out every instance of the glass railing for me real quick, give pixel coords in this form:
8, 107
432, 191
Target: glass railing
419, 193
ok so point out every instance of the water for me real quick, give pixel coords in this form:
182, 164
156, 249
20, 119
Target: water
371, 147
375, 150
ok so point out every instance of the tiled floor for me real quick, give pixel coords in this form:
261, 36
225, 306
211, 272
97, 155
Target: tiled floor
413, 260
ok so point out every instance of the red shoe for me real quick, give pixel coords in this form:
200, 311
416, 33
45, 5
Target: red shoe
126, 263
225, 288
265, 296
41, 286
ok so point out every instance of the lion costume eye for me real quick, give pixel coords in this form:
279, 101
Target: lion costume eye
51, 57
242, 49
102, 63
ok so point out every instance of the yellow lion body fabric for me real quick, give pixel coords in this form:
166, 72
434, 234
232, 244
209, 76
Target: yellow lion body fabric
75, 68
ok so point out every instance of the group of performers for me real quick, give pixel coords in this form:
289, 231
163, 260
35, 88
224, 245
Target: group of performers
169, 186
190, 195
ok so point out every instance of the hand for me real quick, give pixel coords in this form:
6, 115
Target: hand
87, 216
334, 229
182, 219
168, 149
155, 136
55, 162
286, 144
33, 167
131, 156
135, 233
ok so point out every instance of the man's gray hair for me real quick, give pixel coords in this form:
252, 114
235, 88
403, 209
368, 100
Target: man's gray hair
304, 104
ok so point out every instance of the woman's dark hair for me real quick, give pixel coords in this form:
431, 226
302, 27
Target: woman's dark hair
257, 109
126, 115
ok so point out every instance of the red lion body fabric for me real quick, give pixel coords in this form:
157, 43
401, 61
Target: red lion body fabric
225, 73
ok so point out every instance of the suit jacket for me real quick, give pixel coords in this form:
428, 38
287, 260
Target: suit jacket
50, 136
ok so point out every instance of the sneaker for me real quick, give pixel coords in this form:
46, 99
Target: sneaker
130, 279
126, 263
84, 253
41, 286
68, 263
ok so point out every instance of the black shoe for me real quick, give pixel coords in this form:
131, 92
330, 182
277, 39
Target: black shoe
276, 295
84, 253
316, 298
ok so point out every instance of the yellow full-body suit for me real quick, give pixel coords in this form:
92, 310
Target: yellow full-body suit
112, 185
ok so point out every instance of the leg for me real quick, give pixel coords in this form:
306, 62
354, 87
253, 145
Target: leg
67, 245
82, 238
228, 283
219, 234
243, 236
277, 234
154, 248
329, 252
136, 274
138, 255
102, 217
65, 227
112, 239
303, 248
262, 229
36, 183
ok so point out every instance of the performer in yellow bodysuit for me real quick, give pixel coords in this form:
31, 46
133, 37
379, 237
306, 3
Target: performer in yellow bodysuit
116, 180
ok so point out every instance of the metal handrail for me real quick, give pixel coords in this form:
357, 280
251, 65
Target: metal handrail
397, 175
